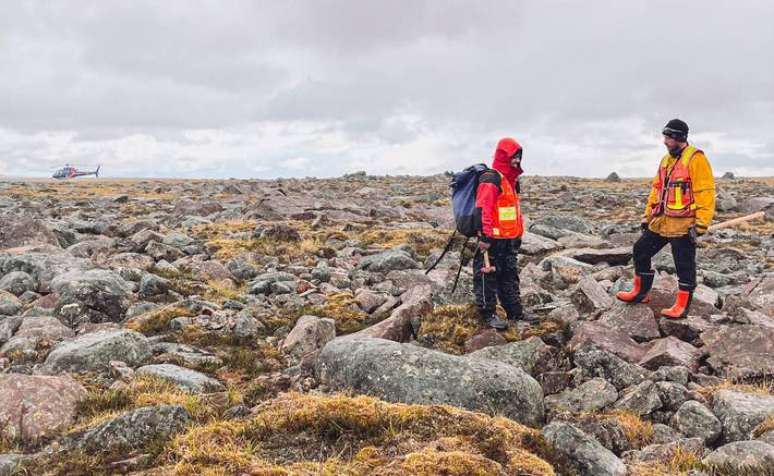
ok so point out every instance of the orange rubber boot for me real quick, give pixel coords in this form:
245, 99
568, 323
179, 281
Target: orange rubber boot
680, 308
640, 289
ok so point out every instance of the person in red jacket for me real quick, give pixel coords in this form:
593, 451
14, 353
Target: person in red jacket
502, 225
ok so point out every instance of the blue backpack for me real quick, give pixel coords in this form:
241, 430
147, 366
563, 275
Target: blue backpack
464, 186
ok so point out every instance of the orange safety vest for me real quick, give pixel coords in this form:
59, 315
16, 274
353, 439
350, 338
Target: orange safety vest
674, 190
508, 222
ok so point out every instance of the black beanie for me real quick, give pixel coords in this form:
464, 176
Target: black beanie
676, 129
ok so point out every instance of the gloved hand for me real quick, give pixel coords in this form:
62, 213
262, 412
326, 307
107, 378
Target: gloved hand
693, 235
644, 226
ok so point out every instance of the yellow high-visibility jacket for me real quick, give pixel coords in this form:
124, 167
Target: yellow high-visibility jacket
703, 185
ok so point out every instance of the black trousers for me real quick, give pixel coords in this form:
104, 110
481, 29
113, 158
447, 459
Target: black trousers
683, 252
503, 284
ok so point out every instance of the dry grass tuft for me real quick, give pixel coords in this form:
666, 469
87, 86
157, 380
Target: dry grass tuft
760, 388
765, 426
639, 432
341, 307
422, 241
448, 327
157, 320
680, 464
303, 434
145, 390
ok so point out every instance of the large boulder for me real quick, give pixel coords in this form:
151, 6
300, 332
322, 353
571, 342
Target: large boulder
533, 244
613, 256
641, 399
607, 339
101, 295
404, 319
94, 351
17, 283
590, 297
742, 457
186, 379
595, 362
591, 396
8, 326
740, 351
9, 304
33, 407
693, 419
532, 355
131, 431
42, 263
34, 334
670, 351
23, 231
741, 412
638, 322
584, 452
410, 374
309, 335
388, 261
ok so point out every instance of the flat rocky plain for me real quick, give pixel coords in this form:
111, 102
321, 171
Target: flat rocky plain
288, 327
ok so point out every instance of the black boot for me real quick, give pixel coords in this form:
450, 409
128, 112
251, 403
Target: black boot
496, 323
492, 320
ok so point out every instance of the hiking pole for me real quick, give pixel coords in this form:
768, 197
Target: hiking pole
443, 253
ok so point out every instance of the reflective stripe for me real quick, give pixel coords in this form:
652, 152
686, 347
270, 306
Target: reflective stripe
507, 213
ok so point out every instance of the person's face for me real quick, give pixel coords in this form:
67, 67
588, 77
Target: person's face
516, 160
671, 144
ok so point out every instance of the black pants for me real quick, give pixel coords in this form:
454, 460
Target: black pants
683, 252
503, 284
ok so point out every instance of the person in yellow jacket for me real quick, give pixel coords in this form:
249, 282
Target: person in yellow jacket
680, 208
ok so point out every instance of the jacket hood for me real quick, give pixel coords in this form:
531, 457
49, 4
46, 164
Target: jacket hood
502, 158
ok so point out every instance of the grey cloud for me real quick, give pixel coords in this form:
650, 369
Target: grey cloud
582, 82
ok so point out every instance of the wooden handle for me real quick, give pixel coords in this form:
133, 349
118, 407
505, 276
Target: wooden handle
486, 260
736, 221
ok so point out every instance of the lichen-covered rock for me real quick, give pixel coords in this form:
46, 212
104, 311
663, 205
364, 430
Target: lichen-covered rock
740, 351
9, 304
695, 420
531, 355
745, 457
102, 295
131, 431
641, 399
388, 261
411, 374
599, 363
17, 283
33, 407
584, 452
186, 379
741, 412
590, 396
309, 335
94, 351
607, 339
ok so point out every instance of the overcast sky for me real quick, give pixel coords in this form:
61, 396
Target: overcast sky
321, 88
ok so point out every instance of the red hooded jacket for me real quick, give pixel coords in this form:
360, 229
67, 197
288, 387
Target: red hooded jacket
489, 183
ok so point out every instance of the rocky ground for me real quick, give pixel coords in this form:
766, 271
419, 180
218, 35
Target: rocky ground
288, 327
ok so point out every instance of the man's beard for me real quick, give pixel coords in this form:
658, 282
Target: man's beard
676, 151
